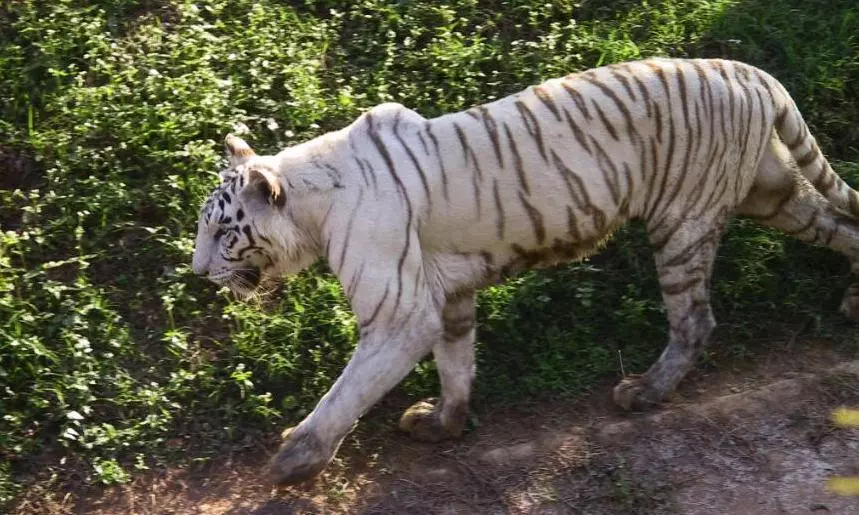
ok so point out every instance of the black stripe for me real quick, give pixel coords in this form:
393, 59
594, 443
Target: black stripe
546, 97
440, 160
499, 207
249, 233
723, 126
352, 218
386, 156
364, 172
468, 151
605, 122
517, 161
369, 321
824, 180
659, 244
680, 182
766, 84
354, 281
613, 180
533, 127
645, 95
536, 219
424, 143
624, 111
414, 160
800, 135
577, 98
682, 287
747, 127
476, 187
334, 174
684, 256
781, 203
577, 132
492, 130
809, 157
811, 222
324, 223
572, 226
667, 169
463, 142
579, 193
401, 263
658, 112
681, 86
623, 80
654, 172
730, 87
718, 195
766, 129
709, 173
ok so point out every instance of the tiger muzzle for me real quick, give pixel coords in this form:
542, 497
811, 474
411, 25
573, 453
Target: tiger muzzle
249, 276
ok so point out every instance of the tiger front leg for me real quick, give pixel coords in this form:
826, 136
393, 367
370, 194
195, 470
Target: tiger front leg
431, 420
383, 358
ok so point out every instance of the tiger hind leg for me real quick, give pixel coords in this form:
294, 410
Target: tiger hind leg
684, 261
782, 198
454, 356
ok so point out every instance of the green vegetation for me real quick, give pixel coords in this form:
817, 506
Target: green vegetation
111, 118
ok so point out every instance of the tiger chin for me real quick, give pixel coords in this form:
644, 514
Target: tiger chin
414, 215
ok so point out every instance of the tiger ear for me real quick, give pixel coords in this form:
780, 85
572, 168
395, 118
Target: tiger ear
263, 186
238, 151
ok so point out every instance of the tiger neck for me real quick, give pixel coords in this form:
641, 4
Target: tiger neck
312, 171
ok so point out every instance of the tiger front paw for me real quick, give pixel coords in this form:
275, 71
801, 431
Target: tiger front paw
427, 421
635, 393
301, 457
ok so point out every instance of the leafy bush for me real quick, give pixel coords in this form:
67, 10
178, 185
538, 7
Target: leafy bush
111, 114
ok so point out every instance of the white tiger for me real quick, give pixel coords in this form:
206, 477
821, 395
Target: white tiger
413, 215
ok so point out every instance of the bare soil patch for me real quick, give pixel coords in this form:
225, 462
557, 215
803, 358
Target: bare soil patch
741, 436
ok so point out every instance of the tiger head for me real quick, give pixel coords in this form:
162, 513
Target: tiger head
245, 235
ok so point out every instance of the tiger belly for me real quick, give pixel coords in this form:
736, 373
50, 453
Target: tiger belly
519, 233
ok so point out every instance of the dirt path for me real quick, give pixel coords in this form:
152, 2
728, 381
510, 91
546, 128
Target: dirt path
742, 437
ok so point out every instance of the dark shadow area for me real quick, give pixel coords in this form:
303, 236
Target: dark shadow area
20, 170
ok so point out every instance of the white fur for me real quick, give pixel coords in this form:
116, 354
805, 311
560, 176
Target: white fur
410, 216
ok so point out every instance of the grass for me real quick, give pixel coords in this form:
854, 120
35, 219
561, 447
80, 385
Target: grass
111, 117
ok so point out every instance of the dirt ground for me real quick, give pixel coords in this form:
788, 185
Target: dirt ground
742, 436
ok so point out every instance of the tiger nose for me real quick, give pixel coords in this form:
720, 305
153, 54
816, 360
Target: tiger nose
199, 267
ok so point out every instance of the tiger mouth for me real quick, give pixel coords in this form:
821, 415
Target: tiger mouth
247, 277
242, 281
